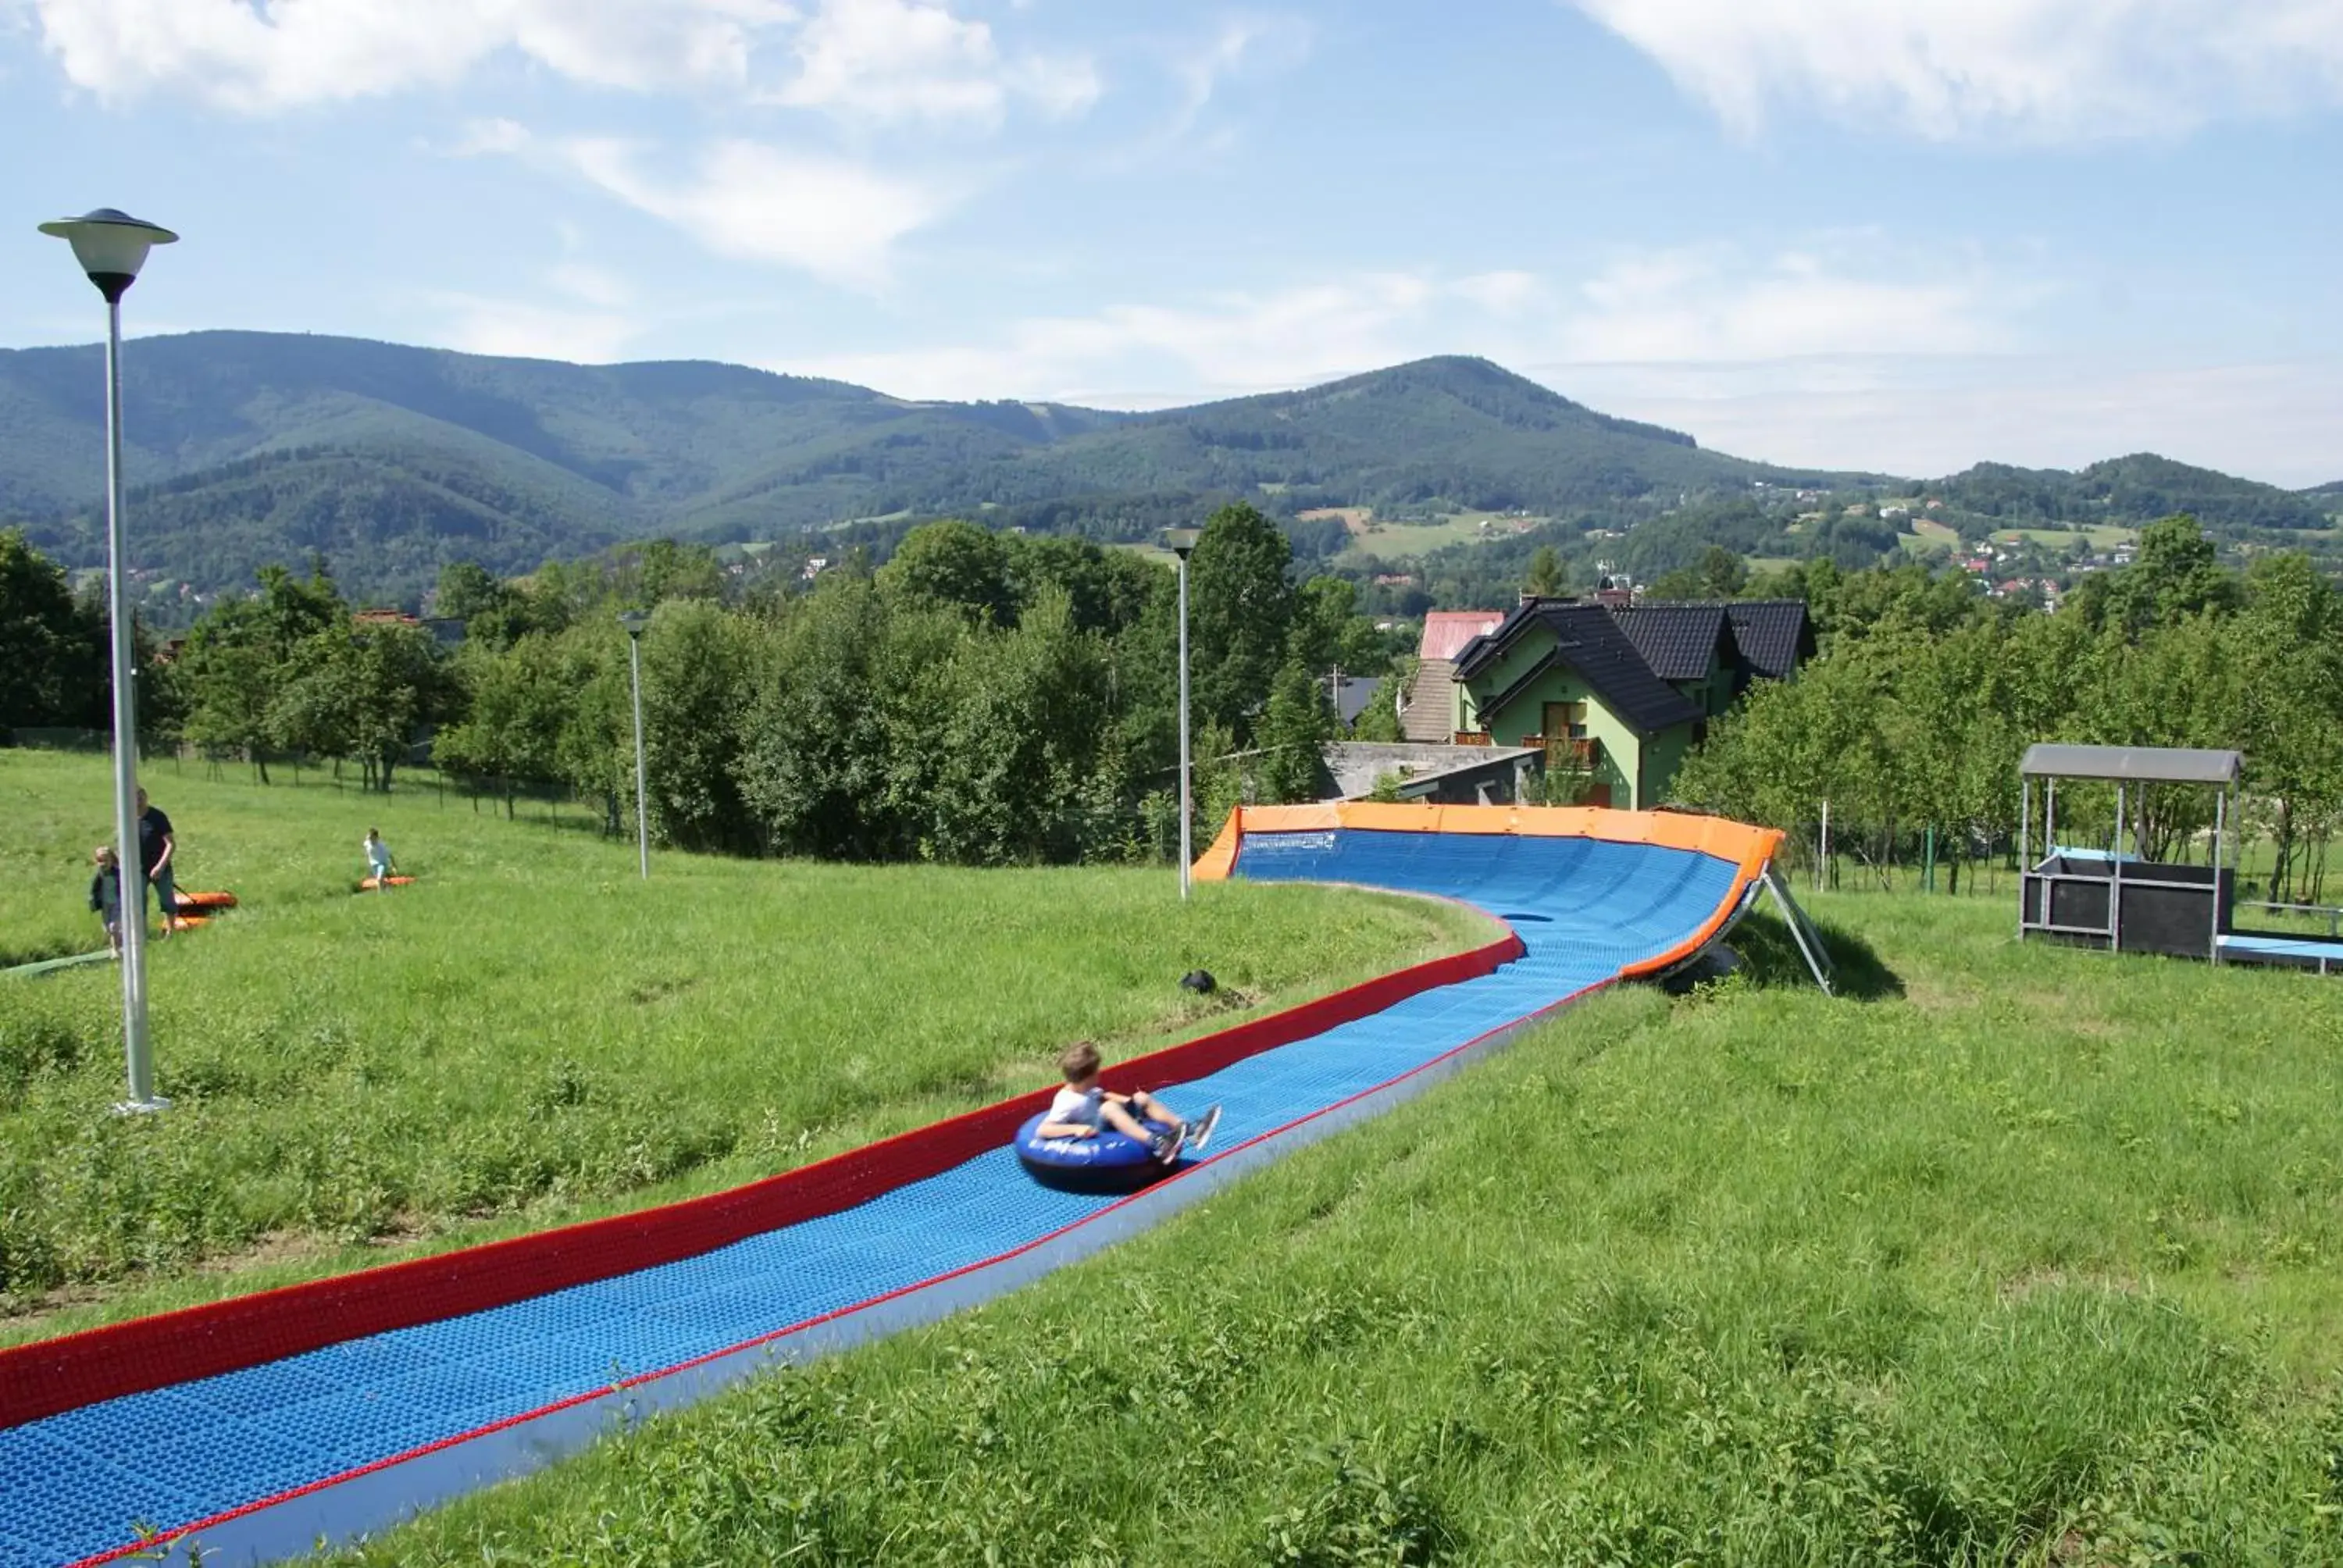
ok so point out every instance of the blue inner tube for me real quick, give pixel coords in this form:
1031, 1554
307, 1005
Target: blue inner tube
1107, 1161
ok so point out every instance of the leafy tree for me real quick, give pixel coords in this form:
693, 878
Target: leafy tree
493, 612
1241, 608
1720, 573
955, 564
1329, 632
813, 765
670, 570
519, 701
1296, 725
1110, 590
697, 659
2176, 573
54, 654
1549, 576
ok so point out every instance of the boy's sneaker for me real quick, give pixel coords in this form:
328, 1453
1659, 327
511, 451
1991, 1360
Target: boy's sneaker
1167, 1145
1199, 1132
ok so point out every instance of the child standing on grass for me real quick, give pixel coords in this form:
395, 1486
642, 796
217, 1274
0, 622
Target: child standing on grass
380, 866
1082, 1107
106, 894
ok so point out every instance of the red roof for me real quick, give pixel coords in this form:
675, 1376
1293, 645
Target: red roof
1446, 632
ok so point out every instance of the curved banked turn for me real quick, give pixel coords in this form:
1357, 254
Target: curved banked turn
249, 1428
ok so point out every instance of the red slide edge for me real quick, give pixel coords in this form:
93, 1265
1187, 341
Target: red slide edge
50, 1376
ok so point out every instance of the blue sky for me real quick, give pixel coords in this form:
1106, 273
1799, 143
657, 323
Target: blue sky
1906, 235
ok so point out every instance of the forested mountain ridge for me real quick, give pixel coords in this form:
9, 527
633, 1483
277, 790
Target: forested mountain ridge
2139, 488
244, 449
657, 433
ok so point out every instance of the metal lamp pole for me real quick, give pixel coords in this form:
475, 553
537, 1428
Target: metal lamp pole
111, 246
634, 620
1182, 542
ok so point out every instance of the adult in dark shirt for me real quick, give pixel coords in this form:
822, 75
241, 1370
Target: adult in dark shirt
156, 845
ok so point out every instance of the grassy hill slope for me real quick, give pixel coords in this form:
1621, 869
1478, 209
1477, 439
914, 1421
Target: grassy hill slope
529, 1034
2029, 1258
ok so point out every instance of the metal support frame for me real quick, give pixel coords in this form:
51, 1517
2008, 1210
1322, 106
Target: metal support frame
642, 772
1802, 929
2220, 832
2115, 881
2024, 849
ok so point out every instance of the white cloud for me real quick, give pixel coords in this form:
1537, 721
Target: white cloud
1151, 355
1691, 307
2047, 69
753, 201
1504, 293
258, 57
889, 60
590, 283
1242, 45
482, 138
529, 330
1709, 302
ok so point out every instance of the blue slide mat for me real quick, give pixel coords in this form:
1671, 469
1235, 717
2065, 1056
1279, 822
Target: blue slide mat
78, 1486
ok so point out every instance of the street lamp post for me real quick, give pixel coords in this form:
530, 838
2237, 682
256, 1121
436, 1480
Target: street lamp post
111, 247
634, 620
1182, 542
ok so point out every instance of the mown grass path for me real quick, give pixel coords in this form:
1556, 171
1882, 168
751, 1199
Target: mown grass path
529, 1034
2023, 1254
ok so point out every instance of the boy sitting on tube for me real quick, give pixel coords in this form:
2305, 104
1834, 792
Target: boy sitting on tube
1082, 1107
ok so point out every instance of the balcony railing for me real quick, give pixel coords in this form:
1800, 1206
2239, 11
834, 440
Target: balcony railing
1571, 754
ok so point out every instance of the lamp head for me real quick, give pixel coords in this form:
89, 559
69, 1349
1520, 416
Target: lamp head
634, 620
1181, 541
110, 245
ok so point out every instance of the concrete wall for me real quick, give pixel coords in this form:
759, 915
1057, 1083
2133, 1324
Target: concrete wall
1450, 775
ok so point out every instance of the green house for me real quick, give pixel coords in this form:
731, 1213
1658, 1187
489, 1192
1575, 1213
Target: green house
1620, 693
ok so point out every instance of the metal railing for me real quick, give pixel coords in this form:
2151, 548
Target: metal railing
1571, 753
2310, 913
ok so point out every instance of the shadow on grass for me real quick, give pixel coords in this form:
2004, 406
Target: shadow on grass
1770, 958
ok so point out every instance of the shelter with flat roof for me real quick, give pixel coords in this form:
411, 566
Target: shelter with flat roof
2117, 899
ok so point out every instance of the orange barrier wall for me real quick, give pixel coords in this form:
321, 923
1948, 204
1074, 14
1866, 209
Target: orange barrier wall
1748, 850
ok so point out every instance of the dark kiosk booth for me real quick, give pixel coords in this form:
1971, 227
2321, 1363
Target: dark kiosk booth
2116, 900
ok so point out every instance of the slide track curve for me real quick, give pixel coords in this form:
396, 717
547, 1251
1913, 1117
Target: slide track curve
249, 1428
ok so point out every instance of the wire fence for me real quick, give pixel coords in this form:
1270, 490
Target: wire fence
530, 799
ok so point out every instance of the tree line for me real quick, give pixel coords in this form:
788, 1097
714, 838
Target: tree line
988, 697
1913, 720
982, 698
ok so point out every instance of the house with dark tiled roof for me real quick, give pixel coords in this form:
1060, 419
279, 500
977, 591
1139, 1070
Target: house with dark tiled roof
1691, 646
1775, 636
1616, 693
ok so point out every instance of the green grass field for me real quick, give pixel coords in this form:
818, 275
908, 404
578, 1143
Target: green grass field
2101, 535
1408, 541
530, 1034
2016, 1255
